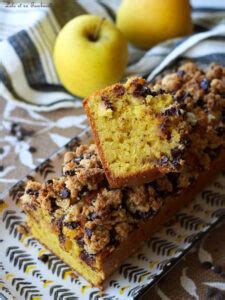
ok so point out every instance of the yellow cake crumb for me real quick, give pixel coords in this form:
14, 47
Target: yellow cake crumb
135, 129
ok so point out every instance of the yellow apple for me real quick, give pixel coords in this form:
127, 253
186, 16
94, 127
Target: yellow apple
90, 53
148, 22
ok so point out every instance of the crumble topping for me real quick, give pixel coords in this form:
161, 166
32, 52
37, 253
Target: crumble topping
107, 201
81, 205
96, 236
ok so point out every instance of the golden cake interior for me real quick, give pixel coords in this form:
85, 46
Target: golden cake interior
137, 127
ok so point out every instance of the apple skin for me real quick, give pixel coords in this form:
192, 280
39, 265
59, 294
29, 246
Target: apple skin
90, 53
148, 22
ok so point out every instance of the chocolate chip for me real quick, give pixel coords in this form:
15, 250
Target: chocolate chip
80, 241
93, 215
89, 155
142, 90
159, 191
26, 132
183, 106
119, 90
32, 149
44, 258
88, 232
144, 215
78, 158
59, 224
83, 191
14, 127
87, 257
158, 92
1, 150
113, 240
1, 168
204, 84
181, 73
177, 155
200, 103
181, 98
165, 129
72, 224
20, 132
32, 192
107, 102
207, 264
62, 238
31, 178
217, 269
65, 193
70, 172
53, 204
172, 111
164, 160
50, 181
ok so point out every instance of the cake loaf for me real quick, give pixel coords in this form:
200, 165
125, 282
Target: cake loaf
93, 227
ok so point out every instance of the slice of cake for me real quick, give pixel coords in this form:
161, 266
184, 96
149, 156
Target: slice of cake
138, 131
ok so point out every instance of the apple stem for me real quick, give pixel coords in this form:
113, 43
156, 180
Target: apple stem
97, 29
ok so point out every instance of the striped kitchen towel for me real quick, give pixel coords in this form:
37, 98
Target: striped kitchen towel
28, 32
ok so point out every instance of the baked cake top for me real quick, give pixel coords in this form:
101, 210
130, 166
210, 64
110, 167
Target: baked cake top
138, 130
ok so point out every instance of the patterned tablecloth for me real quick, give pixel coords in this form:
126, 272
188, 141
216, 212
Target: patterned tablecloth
27, 138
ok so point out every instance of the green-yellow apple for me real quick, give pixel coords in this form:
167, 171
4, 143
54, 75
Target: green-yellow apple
90, 53
148, 22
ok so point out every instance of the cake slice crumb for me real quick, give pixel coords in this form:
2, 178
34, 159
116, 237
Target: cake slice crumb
138, 131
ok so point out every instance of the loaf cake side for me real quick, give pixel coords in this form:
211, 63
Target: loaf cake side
93, 228
128, 123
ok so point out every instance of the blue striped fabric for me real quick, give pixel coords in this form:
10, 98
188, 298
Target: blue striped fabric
27, 36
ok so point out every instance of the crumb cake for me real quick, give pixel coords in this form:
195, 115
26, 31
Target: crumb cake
137, 130
94, 228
